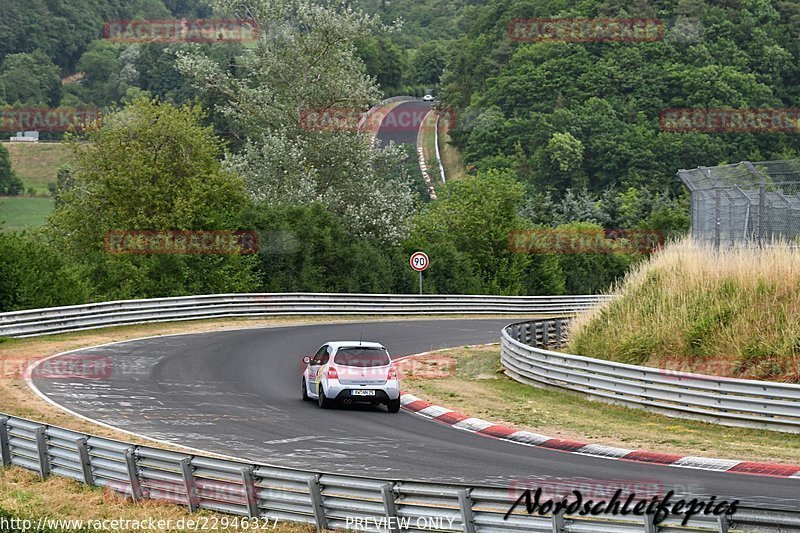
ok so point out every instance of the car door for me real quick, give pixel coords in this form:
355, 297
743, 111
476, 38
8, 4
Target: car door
314, 368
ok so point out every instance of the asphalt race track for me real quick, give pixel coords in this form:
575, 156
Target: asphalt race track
238, 393
402, 123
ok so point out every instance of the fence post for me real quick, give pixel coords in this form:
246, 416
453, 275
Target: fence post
83, 454
133, 475
41, 448
559, 332
649, 525
315, 489
5, 447
250, 492
545, 333
467, 518
558, 521
188, 482
717, 218
387, 492
723, 523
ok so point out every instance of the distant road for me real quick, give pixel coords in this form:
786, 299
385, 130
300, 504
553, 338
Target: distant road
402, 123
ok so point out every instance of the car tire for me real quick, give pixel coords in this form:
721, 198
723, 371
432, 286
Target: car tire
324, 402
306, 397
393, 405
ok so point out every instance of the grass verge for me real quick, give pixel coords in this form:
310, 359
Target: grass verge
728, 312
451, 157
36, 163
24, 497
20, 212
471, 380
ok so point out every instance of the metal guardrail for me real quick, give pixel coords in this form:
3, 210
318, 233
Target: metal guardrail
726, 401
106, 314
324, 500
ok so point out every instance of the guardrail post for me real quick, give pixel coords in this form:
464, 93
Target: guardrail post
723, 523
41, 448
467, 518
546, 333
315, 490
527, 337
83, 454
387, 492
558, 521
133, 475
649, 525
250, 492
559, 332
191, 488
5, 448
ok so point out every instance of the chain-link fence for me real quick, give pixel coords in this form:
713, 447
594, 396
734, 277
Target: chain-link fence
745, 203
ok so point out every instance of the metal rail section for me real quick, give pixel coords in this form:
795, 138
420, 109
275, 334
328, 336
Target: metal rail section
107, 314
327, 501
726, 401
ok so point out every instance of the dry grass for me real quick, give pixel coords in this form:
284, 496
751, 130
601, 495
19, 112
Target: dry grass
476, 386
36, 163
23, 495
451, 157
732, 312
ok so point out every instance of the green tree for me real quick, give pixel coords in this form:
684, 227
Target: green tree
10, 184
307, 64
475, 217
36, 275
152, 166
30, 79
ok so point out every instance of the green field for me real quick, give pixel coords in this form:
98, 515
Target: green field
36, 163
18, 212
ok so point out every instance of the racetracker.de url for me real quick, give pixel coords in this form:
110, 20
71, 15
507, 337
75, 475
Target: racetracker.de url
200, 523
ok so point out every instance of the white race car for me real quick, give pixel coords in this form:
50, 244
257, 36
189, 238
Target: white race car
427, 98
351, 371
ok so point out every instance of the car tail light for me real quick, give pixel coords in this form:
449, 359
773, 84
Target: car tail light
392, 374
332, 373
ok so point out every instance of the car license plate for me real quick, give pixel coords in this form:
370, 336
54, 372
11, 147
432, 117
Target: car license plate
363, 393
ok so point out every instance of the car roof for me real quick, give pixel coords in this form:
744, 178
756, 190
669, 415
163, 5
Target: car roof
352, 344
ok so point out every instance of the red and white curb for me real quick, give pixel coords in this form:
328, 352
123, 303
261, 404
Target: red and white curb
482, 427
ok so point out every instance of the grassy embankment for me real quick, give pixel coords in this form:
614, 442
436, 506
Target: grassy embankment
729, 313
36, 164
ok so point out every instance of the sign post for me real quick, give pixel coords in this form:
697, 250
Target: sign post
419, 262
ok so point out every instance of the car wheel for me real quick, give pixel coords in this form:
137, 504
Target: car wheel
306, 397
324, 402
393, 405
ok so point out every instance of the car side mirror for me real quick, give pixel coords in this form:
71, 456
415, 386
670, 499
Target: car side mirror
306, 359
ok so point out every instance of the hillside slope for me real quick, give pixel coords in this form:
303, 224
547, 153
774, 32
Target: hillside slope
729, 312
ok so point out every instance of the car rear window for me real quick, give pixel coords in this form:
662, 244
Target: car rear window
362, 357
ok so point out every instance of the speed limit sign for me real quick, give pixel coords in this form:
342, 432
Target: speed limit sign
419, 261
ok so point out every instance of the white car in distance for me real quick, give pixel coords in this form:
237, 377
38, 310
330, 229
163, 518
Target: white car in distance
351, 372
427, 98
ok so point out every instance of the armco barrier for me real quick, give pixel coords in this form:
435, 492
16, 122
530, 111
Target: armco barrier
727, 401
78, 317
324, 500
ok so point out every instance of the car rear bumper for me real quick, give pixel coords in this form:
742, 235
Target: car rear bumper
383, 393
